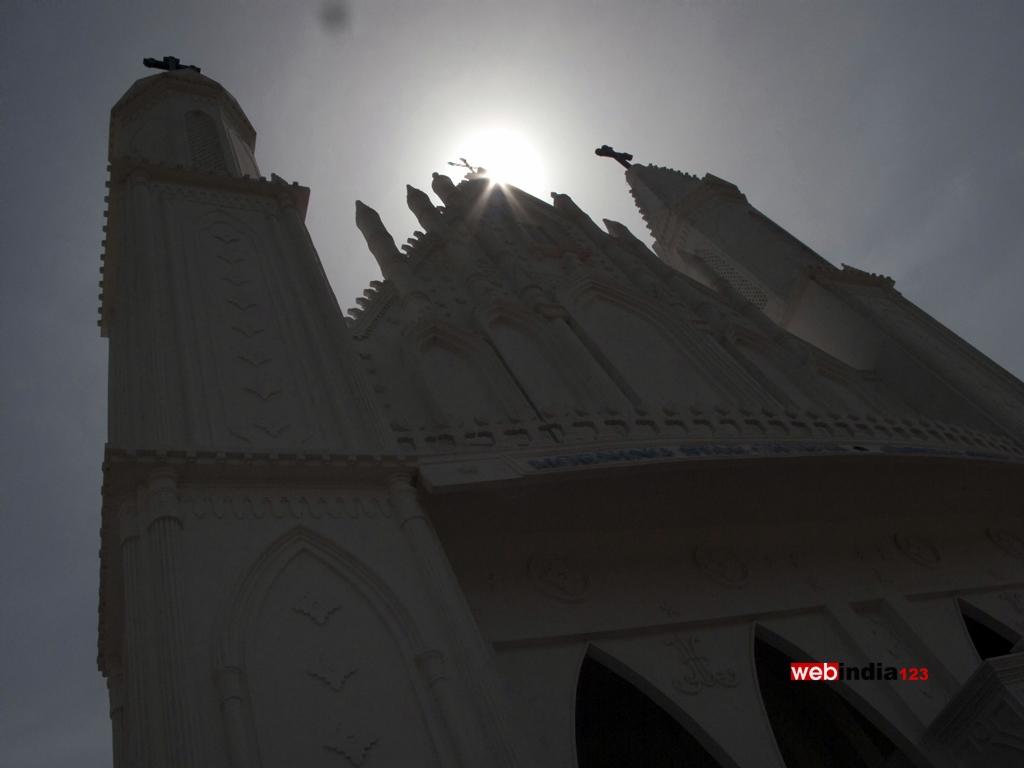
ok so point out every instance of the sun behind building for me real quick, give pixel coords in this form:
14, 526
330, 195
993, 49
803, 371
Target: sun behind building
545, 498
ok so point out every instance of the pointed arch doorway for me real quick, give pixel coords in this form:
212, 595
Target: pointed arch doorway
619, 726
813, 724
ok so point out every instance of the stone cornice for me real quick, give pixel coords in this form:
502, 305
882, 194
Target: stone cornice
922, 437
464, 471
126, 467
123, 168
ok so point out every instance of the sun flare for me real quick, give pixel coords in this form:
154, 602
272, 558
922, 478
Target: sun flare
507, 154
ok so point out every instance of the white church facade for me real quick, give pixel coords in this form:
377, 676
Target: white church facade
545, 497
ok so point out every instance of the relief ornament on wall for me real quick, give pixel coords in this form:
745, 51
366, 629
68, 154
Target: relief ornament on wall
697, 672
723, 565
556, 577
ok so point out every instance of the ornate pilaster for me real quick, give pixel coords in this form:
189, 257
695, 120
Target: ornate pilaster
231, 685
476, 658
162, 525
433, 669
137, 740
115, 690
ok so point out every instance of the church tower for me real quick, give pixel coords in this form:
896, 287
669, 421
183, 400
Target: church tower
544, 497
272, 593
707, 229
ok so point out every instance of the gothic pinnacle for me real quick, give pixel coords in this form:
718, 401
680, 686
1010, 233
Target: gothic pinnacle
424, 211
443, 187
381, 244
618, 231
567, 205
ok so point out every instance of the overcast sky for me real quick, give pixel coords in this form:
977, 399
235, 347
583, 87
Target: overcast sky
886, 135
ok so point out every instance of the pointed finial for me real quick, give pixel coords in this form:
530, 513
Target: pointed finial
617, 230
443, 187
367, 218
422, 208
566, 205
380, 242
563, 202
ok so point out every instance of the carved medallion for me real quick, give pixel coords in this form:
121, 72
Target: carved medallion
723, 565
877, 559
917, 549
669, 610
556, 577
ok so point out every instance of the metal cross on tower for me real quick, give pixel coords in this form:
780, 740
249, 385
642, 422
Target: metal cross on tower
472, 172
169, 63
622, 158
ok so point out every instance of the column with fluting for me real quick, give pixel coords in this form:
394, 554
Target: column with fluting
472, 653
136, 675
162, 531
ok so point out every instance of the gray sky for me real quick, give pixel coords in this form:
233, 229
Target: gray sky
886, 135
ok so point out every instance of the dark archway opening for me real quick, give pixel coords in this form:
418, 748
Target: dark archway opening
988, 641
618, 726
814, 725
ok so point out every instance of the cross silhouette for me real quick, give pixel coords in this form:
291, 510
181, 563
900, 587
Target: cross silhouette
472, 171
622, 158
169, 63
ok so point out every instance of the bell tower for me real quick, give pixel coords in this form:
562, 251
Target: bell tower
182, 118
224, 332
271, 591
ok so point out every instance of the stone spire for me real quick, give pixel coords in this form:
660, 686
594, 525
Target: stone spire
703, 228
656, 189
443, 187
423, 209
391, 261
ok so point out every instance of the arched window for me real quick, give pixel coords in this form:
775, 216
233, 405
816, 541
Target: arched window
204, 144
988, 637
618, 726
813, 724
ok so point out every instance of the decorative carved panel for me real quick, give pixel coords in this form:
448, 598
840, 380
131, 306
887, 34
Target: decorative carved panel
329, 660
